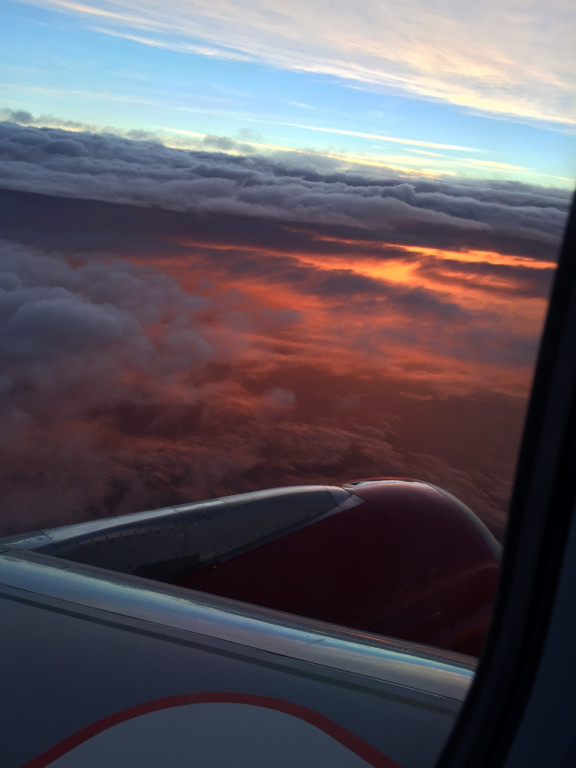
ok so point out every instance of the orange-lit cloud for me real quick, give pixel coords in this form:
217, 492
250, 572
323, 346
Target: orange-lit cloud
304, 328
205, 370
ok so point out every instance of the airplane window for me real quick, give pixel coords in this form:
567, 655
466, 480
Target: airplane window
239, 259
250, 246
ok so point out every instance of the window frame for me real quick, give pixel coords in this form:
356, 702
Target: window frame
491, 728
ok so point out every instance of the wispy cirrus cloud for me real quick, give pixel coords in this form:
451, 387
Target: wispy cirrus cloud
381, 137
181, 47
497, 58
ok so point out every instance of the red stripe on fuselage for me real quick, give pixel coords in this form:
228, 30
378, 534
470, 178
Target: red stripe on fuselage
337, 732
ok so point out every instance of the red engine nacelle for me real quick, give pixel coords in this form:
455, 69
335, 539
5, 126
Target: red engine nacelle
408, 561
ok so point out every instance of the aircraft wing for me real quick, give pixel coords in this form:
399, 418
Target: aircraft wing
290, 627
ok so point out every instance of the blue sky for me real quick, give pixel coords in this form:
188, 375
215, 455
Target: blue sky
477, 93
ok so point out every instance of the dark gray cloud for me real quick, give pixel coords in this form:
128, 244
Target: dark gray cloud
145, 173
80, 343
89, 328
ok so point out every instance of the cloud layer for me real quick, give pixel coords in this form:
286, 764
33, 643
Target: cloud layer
509, 216
179, 325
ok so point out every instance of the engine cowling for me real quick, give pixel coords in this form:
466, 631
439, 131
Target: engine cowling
404, 559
